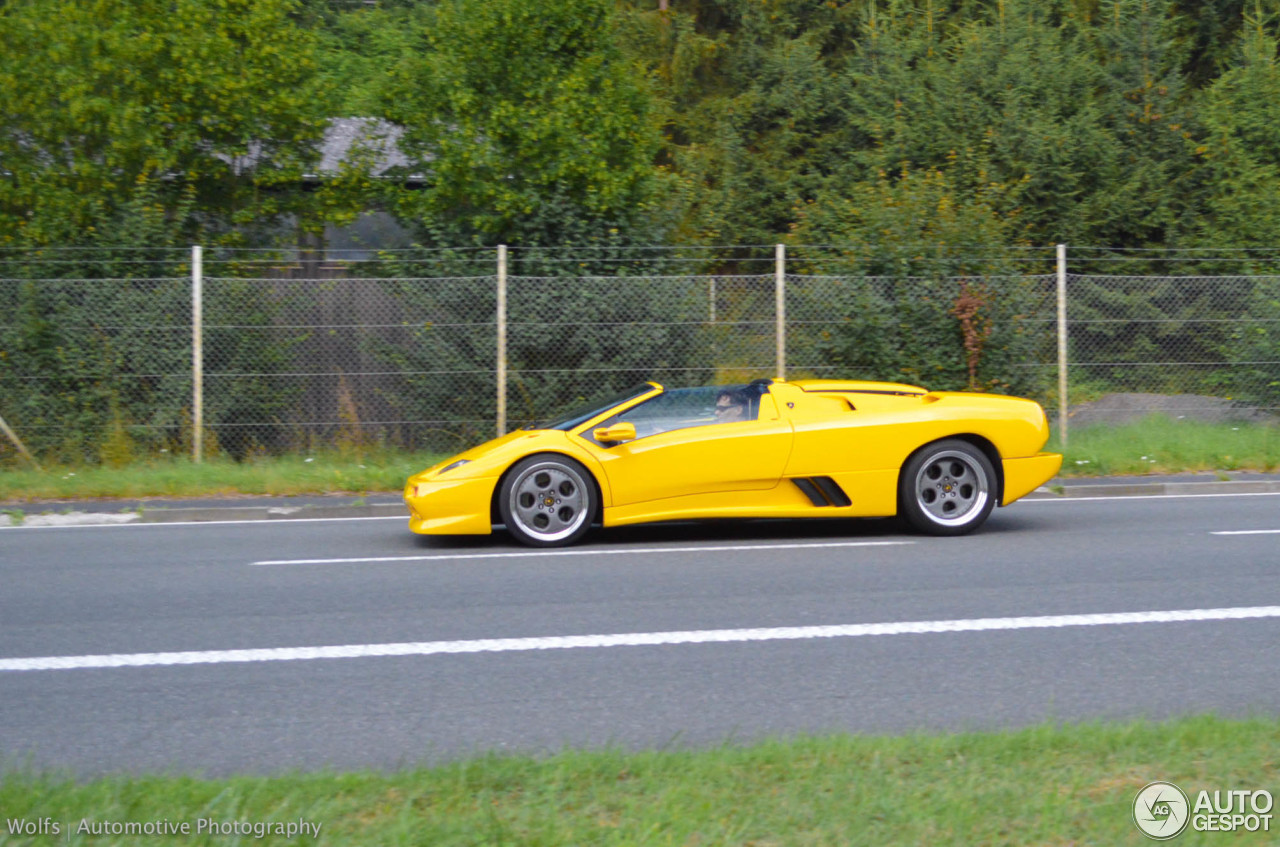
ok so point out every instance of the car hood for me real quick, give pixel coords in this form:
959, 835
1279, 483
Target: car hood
493, 455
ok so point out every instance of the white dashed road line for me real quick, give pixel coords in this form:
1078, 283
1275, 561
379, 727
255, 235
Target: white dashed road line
639, 639
592, 551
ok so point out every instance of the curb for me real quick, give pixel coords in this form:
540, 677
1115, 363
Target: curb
270, 513
203, 514
1155, 489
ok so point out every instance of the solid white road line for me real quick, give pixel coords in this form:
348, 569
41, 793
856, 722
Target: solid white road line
595, 551
638, 639
1247, 532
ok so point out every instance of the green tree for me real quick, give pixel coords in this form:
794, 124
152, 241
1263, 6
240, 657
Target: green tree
1207, 31
358, 42
206, 106
527, 121
129, 126
1239, 149
1185, 176
1240, 154
751, 95
1144, 198
1005, 94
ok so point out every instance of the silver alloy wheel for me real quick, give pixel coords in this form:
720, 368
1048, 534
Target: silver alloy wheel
548, 501
951, 488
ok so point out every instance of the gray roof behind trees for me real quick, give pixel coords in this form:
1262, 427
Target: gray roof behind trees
372, 140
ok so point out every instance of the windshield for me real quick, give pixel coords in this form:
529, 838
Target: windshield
682, 408
586, 411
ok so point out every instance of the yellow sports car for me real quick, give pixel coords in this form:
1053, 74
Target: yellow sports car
808, 448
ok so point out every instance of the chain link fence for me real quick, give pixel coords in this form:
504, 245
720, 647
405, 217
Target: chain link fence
305, 363
95, 353
1206, 347
992, 333
572, 339
97, 356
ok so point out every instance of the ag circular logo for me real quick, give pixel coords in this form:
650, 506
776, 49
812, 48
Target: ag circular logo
1161, 811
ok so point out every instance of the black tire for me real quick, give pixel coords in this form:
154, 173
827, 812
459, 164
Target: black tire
947, 488
547, 500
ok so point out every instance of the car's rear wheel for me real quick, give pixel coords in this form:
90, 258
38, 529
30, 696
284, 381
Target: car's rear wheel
947, 488
547, 501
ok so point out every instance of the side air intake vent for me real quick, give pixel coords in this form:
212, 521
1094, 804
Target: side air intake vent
833, 492
822, 491
811, 491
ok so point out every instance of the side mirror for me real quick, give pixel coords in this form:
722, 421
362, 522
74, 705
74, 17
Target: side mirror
615, 434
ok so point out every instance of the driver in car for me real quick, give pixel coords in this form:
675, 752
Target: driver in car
730, 406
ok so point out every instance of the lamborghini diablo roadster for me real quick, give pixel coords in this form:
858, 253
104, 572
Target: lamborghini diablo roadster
776, 449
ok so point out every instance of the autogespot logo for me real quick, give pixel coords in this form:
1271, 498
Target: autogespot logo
1161, 811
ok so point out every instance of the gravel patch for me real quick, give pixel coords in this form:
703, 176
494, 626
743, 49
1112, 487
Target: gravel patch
1126, 408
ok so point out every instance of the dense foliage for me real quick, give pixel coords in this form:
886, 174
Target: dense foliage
929, 139
1127, 123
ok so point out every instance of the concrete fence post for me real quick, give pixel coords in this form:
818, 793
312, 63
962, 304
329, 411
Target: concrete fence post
197, 354
502, 340
1062, 344
780, 306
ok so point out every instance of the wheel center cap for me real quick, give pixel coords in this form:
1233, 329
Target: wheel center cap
548, 501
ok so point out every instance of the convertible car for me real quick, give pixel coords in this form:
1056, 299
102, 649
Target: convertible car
777, 449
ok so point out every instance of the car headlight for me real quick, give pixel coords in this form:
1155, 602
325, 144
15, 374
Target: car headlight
453, 465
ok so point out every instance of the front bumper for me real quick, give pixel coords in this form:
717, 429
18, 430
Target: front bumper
450, 507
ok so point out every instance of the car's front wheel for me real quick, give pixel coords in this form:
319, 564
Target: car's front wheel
947, 488
547, 501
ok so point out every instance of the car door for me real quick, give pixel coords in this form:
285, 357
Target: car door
680, 449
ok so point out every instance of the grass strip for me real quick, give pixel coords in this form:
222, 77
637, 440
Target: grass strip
1162, 445
1050, 784
1156, 445
313, 473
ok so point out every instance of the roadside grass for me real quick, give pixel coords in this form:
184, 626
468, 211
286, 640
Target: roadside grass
1051, 785
311, 473
1155, 445
1160, 445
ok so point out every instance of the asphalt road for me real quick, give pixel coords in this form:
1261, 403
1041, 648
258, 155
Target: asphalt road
1043, 615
